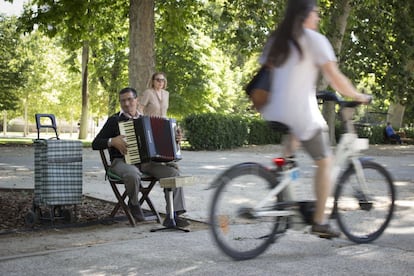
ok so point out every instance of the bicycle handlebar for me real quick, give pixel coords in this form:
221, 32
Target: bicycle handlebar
324, 96
332, 97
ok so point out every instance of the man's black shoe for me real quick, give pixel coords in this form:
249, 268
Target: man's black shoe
179, 222
136, 212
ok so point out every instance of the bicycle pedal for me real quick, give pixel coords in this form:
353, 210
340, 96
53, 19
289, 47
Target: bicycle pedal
278, 235
365, 205
246, 213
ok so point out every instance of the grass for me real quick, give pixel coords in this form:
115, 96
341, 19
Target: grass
29, 142
15, 139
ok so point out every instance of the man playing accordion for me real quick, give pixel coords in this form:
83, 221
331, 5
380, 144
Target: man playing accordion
110, 137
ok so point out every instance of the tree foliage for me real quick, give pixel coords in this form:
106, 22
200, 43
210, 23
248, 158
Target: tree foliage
241, 27
12, 65
100, 26
379, 47
210, 48
185, 53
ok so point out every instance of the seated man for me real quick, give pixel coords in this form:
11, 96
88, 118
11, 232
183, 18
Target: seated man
109, 137
391, 133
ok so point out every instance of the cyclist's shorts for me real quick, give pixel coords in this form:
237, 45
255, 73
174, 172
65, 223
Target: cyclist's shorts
318, 146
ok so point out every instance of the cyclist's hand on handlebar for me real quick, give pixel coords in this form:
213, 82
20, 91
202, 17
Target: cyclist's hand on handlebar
364, 98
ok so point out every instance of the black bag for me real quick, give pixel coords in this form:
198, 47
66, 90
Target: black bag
258, 88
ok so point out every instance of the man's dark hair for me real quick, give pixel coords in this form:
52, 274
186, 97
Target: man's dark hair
127, 90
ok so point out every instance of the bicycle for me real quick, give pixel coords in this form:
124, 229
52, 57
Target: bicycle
251, 206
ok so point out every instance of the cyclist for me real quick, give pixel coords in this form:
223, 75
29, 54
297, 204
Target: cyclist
297, 53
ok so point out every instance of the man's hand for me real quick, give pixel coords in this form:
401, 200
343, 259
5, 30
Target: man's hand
119, 142
178, 135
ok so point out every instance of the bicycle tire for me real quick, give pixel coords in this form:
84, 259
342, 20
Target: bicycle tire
238, 234
364, 217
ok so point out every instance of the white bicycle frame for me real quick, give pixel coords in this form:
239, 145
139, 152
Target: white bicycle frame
347, 152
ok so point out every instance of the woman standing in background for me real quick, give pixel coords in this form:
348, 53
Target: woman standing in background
154, 101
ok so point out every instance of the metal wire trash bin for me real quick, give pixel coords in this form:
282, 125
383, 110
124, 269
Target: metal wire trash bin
57, 176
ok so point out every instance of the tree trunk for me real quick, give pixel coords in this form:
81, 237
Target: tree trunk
4, 122
83, 131
26, 119
141, 43
338, 22
395, 115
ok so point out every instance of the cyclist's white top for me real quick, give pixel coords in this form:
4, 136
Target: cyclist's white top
292, 100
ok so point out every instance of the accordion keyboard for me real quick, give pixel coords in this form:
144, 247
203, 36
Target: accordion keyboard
127, 128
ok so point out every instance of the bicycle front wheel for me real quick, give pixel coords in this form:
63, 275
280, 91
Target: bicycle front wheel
364, 211
237, 230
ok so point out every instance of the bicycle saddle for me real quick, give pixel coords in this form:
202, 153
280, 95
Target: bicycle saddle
278, 126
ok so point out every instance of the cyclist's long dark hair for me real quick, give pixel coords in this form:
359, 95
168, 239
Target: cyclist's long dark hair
289, 31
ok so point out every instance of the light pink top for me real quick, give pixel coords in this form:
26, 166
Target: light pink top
155, 103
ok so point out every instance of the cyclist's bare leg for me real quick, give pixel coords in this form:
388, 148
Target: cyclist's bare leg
291, 144
322, 187
319, 148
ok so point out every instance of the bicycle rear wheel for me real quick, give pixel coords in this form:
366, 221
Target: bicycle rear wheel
235, 228
363, 215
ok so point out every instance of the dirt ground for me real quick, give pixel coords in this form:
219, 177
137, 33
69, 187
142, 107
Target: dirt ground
91, 226
16, 205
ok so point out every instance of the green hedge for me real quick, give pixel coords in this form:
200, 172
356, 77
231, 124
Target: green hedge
375, 134
212, 131
261, 134
409, 132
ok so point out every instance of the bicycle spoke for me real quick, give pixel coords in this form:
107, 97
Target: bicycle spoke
236, 227
363, 215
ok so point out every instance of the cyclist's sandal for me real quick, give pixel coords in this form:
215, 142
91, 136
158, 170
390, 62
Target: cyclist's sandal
324, 231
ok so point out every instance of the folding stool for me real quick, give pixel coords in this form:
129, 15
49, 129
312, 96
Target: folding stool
115, 180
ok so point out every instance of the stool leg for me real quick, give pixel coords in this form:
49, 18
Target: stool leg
170, 206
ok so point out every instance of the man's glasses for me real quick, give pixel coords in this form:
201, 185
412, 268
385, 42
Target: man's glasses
160, 80
129, 99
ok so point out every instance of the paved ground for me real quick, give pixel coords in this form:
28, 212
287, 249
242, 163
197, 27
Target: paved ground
121, 250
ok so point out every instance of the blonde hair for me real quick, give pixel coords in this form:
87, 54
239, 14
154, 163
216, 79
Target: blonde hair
150, 83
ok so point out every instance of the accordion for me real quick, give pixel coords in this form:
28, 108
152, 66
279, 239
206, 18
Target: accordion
150, 139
